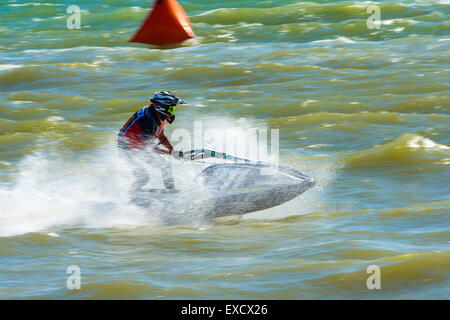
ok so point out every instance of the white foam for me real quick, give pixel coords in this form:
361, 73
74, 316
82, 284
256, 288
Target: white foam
308, 102
33, 4
336, 40
21, 102
52, 234
51, 192
206, 13
55, 119
420, 142
4, 67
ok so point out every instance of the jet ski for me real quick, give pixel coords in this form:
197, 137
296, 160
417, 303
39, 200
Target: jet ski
233, 186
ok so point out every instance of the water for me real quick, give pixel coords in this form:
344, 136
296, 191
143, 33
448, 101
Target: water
365, 112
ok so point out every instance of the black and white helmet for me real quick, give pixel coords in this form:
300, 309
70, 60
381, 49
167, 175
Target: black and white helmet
165, 101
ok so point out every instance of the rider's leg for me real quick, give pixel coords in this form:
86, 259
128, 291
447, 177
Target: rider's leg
140, 173
158, 161
166, 170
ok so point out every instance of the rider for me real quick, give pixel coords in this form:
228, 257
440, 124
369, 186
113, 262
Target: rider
137, 138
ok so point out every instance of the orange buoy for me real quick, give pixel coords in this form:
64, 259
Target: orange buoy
166, 24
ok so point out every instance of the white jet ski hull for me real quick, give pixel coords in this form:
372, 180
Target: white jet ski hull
228, 189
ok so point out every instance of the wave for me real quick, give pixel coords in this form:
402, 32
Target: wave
408, 149
316, 12
33, 76
297, 22
398, 274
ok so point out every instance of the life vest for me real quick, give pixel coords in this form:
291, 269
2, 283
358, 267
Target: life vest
142, 127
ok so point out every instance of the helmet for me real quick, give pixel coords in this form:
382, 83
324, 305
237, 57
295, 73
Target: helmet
164, 102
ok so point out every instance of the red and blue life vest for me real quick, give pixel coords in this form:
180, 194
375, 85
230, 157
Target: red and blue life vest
143, 126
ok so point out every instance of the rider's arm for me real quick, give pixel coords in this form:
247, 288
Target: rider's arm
164, 140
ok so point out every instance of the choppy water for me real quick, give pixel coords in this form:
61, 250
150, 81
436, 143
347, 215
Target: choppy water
365, 112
